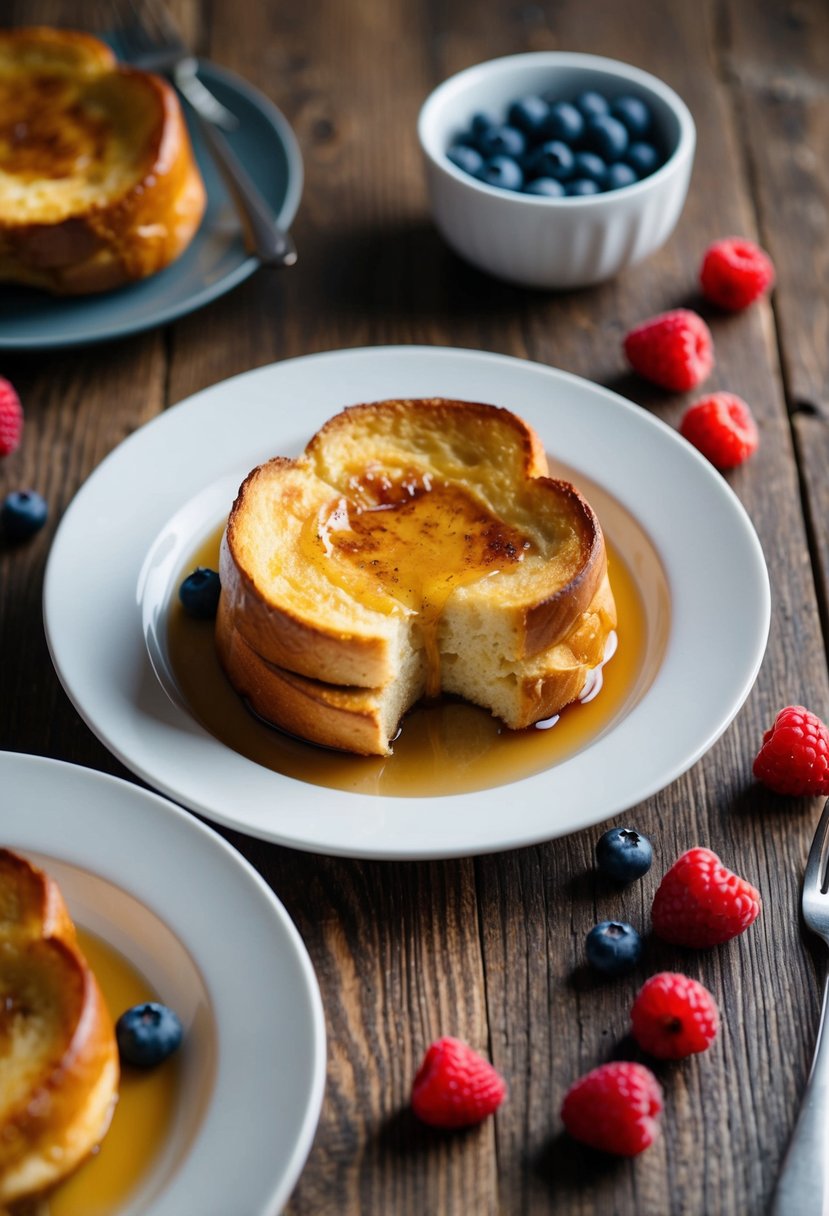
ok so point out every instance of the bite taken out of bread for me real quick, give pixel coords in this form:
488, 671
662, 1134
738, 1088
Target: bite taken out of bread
59, 1068
416, 547
98, 184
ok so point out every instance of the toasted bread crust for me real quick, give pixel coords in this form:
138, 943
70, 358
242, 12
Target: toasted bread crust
81, 241
56, 1100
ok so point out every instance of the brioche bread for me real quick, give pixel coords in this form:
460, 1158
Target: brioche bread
58, 1057
416, 546
98, 185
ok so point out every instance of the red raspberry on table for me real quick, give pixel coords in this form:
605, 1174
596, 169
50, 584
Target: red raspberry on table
735, 273
722, 427
794, 758
11, 418
455, 1087
616, 1107
702, 903
674, 350
673, 1016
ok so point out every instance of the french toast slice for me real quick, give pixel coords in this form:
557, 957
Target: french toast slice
59, 1066
415, 546
98, 184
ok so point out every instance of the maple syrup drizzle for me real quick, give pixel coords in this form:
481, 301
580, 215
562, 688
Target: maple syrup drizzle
412, 540
143, 1114
447, 747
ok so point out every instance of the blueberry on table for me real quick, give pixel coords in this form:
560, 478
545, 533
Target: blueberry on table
634, 114
199, 593
589, 166
581, 187
643, 158
502, 171
147, 1034
613, 947
22, 514
465, 158
528, 114
591, 104
547, 187
565, 122
623, 854
619, 175
552, 159
501, 141
605, 136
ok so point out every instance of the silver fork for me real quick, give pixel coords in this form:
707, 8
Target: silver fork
147, 37
803, 1186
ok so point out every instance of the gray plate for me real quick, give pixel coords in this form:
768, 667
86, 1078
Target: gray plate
216, 260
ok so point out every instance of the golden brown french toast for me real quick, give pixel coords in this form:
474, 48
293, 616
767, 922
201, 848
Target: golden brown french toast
416, 546
98, 184
58, 1057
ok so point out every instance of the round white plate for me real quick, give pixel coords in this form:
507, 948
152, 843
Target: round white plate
210, 936
176, 477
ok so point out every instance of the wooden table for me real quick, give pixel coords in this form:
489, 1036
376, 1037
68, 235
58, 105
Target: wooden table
491, 949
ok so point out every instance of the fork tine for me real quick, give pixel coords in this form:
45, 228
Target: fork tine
816, 878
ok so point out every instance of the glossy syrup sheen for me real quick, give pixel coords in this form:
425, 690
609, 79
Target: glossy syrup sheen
450, 747
143, 1114
415, 540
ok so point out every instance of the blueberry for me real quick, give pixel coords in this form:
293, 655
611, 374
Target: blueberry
591, 104
564, 122
546, 186
465, 158
501, 141
580, 187
502, 171
22, 514
589, 166
606, 137
619, 175
613, 947
552, 159
623, 854
481, 122
147, 1034
634, 114
199, 593
528, 114
643, 158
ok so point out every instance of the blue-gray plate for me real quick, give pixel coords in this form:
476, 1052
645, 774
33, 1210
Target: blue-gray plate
216, 260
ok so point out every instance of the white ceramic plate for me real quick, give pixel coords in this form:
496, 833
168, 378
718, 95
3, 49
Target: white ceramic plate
172, 481
210, 936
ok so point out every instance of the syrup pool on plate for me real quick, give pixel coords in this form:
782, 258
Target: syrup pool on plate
449, 747
143, 1114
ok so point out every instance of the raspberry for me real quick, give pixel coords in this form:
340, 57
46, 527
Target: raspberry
455, 1087
615, 1107
794, 758
735, 272
11, 418
674, 1016
722, 427
701, 903
674, 350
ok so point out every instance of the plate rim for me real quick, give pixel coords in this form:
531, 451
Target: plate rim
246, 266
389, 848
19, 833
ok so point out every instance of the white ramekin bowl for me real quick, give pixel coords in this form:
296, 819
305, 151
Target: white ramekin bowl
553, 242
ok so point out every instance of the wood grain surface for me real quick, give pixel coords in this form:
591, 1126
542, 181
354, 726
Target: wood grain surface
491, 949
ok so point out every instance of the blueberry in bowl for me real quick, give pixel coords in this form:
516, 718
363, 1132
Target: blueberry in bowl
584, 166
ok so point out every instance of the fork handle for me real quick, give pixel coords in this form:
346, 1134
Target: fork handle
264, 238
803, 1186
